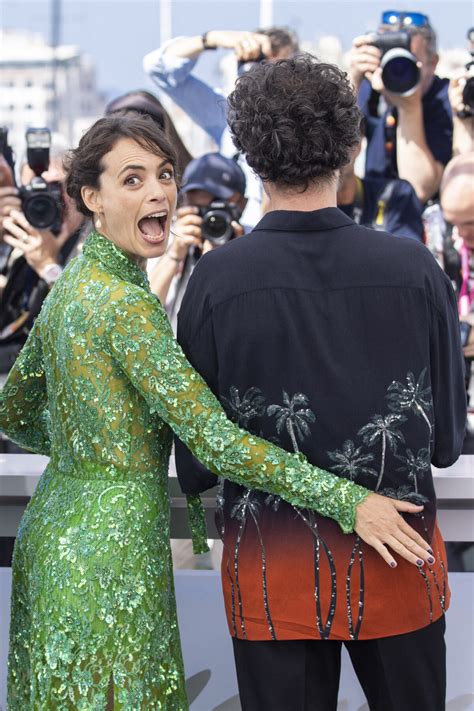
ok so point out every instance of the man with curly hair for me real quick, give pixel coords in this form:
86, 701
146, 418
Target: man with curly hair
341, 342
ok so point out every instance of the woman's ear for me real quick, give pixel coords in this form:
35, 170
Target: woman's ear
91, 199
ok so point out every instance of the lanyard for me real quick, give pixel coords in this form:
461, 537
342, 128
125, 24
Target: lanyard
358, 205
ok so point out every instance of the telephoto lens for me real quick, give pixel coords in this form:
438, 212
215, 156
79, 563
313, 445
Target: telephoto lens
400, 71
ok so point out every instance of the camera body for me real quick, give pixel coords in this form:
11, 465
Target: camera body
217, 218
400, 71
468, 93
42, 202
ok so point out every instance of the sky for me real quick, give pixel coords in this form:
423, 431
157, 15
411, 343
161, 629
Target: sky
118, 33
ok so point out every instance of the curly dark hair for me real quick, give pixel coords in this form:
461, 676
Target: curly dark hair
296, 120
84, 165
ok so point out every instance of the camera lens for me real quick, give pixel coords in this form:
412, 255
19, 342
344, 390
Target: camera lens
216, 226
400, 73
41, 211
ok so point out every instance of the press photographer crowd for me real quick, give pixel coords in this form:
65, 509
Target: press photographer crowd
417, 181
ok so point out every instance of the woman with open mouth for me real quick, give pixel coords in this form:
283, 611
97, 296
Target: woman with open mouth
99, 387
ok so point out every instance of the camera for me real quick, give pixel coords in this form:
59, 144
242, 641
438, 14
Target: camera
245, 66
468, 91
42, 202
217, 221
400, 71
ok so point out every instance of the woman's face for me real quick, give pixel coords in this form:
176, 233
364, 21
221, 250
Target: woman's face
135, 200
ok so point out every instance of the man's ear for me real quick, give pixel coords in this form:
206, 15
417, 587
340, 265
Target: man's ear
91, 199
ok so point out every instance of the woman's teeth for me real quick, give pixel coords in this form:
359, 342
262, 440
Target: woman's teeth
152, 226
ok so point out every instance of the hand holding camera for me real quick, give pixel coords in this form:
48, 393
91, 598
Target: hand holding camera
205, 227
386, 60
40, 248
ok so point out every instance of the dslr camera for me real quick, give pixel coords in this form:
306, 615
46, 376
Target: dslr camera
217, 218
400, 71
468, 91
42, 202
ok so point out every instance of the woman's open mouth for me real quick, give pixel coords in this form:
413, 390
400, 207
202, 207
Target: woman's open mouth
152, 227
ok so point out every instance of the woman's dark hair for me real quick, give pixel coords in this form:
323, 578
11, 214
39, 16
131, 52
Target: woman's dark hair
141, 101
84, 164
296, 120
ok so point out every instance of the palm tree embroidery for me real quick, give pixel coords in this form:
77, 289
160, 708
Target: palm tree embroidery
416, 466
242, 410
295, 417
405, 493
413, 396
248, 503
350, 462
385, 429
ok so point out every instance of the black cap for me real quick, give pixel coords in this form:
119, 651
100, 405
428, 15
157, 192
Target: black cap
220, 176
141, 101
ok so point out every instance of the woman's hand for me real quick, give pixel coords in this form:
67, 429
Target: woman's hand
379, 523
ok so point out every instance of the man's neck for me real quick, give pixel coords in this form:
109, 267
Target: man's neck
316, 197
347, 190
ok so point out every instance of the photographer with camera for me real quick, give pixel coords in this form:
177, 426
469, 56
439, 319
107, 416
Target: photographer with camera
211, 203
461, 97
409, 121
171, 68
384, 204
42, 232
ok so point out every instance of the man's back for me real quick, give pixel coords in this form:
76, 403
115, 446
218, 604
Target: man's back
334, 340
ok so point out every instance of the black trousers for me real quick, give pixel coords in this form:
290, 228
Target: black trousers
402, 673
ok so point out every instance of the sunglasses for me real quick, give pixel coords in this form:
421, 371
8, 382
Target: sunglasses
405, 19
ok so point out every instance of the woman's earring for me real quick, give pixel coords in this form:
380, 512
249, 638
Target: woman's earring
98, 223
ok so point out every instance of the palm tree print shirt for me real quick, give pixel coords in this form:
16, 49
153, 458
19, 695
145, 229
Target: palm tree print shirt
342, 343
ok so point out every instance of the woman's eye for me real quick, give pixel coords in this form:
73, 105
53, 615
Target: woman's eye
167, 174
131, 180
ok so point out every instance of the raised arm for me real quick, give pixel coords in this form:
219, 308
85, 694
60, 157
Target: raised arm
23, 400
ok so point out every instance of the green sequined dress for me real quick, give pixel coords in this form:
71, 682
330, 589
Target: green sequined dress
99, 387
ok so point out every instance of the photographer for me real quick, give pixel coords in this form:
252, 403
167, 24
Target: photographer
171, 67
461, 97
210, 205
387, 204
409, 133
37, 253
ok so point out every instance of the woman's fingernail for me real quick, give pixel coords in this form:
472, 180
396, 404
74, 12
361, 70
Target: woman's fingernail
430, 551
419, 562
431, 560
393, 564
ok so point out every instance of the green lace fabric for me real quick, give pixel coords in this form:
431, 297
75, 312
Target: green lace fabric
99, 387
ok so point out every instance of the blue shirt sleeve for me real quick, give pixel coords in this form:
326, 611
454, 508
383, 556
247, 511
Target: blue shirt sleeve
203, 104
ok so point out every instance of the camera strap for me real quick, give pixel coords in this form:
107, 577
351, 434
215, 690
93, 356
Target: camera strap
358, 204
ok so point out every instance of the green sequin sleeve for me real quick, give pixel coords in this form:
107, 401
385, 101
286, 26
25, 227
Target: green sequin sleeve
23, 400
141, 340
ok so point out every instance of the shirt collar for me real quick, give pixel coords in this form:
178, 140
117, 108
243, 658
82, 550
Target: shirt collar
328, 218
114, 260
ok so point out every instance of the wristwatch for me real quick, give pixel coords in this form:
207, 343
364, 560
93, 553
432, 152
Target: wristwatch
51, 273
204, 41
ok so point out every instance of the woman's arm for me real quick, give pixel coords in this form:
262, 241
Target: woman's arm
142, 341
23, 401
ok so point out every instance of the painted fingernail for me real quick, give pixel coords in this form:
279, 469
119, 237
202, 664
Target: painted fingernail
393, 564
430, 551
419, 562
431, 560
